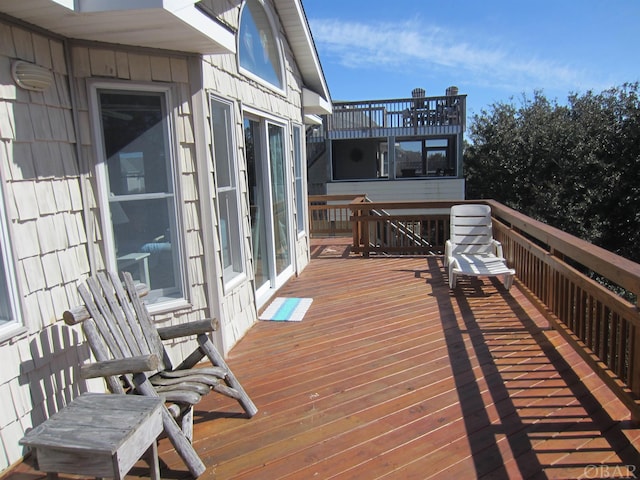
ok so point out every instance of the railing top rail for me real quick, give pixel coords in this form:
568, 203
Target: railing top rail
408, 205
619, 270
332, 198
394, 100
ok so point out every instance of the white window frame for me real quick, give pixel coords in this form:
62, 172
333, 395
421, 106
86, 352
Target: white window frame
230, 276
300, 174
108, 241
274, 31
15, 326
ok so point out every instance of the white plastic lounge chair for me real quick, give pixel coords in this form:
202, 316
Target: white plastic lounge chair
472, 250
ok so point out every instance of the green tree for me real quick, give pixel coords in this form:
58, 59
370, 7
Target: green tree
573, 166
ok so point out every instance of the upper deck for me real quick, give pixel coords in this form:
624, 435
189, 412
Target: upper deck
434, 116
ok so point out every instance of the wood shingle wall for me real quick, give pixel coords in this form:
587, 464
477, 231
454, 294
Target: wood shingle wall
139, 66
44, 207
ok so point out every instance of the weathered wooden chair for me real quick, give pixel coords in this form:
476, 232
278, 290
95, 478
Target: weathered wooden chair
472, 250
132, 359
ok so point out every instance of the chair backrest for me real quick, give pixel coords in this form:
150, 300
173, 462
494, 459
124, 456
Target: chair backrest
471, 230
119, 325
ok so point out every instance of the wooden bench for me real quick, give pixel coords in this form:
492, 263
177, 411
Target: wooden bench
99, 435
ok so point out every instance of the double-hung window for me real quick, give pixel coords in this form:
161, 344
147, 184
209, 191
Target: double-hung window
227, 192
137, 181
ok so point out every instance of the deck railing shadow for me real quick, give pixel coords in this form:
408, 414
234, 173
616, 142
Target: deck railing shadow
486, 452
511, 390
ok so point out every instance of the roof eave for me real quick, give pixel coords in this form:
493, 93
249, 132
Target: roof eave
301, 41
165, 24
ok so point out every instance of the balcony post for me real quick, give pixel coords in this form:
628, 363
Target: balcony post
354, 226
365, 234
635, 373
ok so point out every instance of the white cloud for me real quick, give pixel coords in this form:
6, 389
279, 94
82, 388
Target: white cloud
416, 46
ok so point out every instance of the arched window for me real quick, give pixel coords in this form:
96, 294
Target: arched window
258, 50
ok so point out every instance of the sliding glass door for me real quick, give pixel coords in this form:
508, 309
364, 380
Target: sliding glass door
269, 197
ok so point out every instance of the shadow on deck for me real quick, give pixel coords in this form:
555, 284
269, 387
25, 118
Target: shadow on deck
392, 375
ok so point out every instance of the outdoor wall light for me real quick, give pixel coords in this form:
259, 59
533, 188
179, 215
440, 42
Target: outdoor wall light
30, 76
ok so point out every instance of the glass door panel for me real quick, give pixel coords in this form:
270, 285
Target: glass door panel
253, 145
279, 199
269, 203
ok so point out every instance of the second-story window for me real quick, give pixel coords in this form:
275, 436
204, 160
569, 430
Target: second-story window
427, 157
258, 49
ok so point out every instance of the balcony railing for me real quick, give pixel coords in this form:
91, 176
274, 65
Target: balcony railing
561, 274
406, 114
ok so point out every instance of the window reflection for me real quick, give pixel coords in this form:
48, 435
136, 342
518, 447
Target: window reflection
432, 157
140, 190
258, 50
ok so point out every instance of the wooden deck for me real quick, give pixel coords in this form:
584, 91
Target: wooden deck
391, 375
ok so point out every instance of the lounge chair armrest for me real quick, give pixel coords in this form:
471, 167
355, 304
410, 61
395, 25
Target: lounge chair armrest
497, 248
192, 328
106, 368
453, 263
448, 249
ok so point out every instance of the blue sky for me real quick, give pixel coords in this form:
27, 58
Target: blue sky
492, 50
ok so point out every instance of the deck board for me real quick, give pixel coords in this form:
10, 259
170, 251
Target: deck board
391, 375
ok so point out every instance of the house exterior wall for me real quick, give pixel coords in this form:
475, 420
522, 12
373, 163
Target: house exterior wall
48, 178
399, 190
223, 78
41, 187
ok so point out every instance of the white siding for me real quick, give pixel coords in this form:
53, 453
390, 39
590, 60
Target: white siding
41, 185
389, 190
237, 307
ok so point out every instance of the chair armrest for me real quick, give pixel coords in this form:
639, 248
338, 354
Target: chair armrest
497, 248
107, 368
187, 329
448, 248
453, 263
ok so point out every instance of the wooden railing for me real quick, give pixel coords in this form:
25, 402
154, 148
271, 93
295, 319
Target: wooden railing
563, 276
374, 115
330, 215
399, 227
558, 271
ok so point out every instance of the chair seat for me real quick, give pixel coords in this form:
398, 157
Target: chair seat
479, 265
187, 386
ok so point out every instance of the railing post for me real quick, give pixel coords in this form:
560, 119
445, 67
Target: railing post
355, 225
366, 234
635, 368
